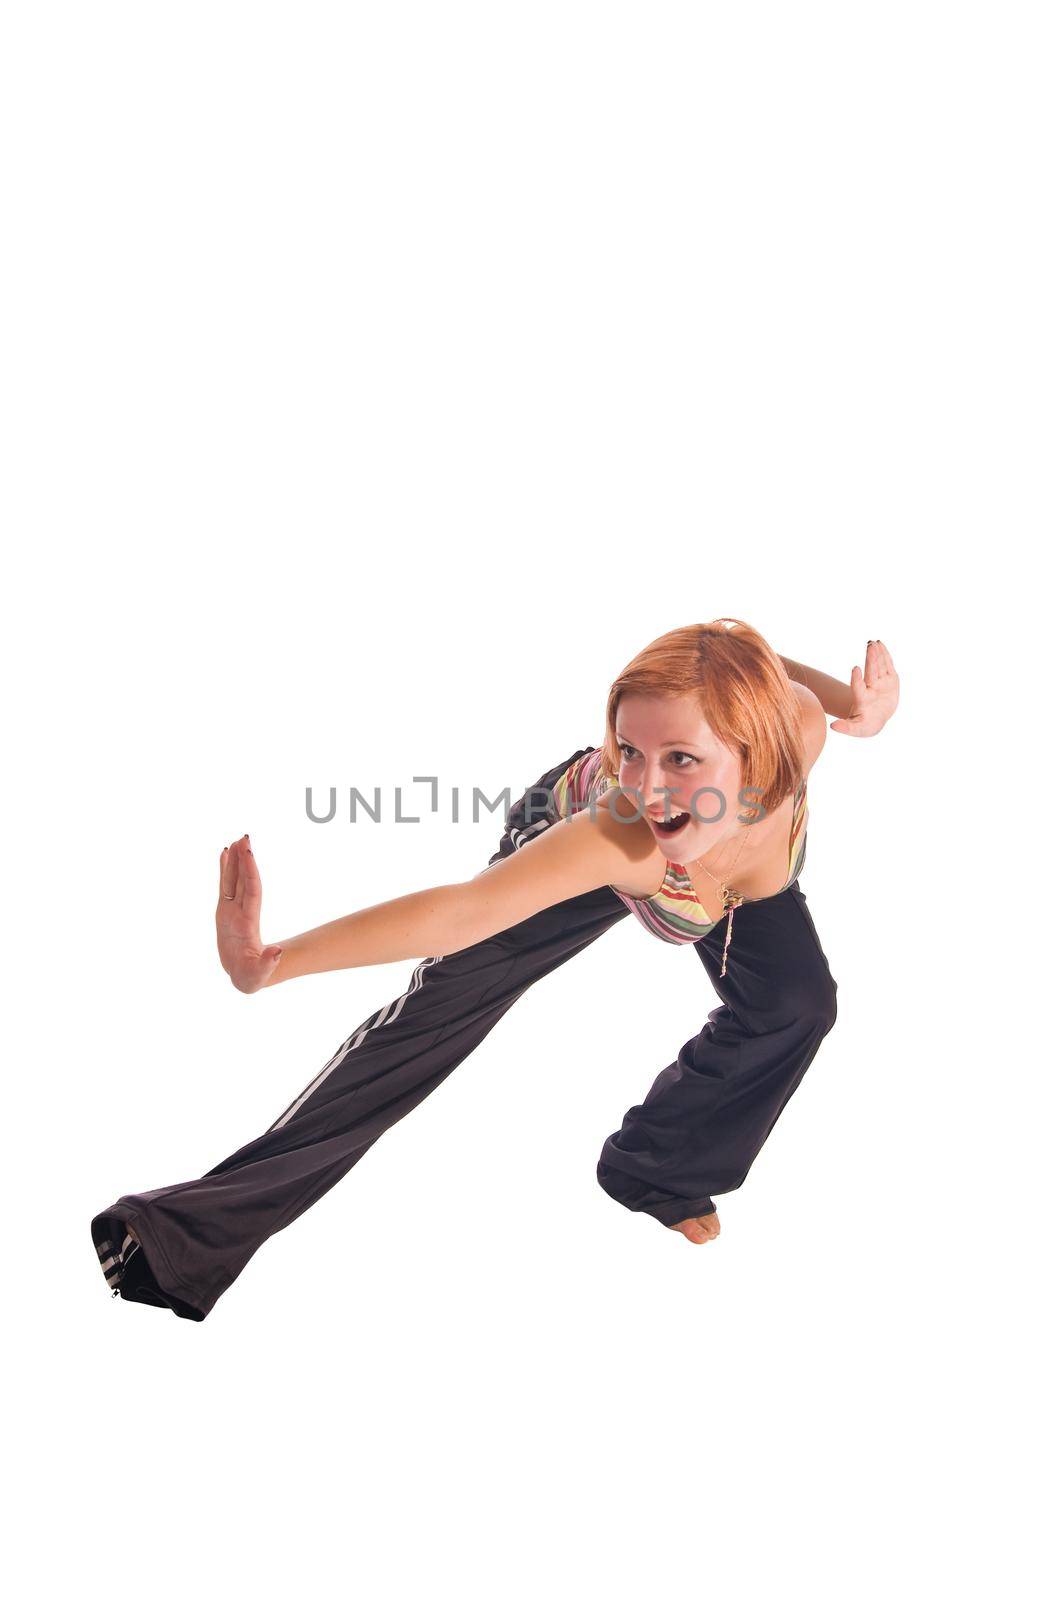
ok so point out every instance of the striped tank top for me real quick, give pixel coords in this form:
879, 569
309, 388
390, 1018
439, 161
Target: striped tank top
674, 913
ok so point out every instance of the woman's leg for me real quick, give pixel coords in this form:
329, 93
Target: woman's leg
182, 1246
707, 1115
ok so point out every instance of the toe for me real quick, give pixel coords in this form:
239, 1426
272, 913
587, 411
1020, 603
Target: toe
691, 1229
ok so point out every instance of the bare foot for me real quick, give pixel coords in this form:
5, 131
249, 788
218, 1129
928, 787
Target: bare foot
699, 1230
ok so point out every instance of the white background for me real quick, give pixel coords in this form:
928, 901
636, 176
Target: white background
377, 382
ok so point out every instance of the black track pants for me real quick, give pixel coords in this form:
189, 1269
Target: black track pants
707, 1115
702, 1124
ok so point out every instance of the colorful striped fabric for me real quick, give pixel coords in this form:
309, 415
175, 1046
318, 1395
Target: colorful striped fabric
674, 913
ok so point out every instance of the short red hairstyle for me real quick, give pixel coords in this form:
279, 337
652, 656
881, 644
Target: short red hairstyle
744, 693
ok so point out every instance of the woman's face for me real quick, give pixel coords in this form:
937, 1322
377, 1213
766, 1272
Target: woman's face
664, 744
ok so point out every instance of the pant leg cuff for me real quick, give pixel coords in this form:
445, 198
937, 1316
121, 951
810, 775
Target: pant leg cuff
134, 1267
663, 1205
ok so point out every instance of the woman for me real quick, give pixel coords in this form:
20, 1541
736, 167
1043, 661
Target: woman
693, 809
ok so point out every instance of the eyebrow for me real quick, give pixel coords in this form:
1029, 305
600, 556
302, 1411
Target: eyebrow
667, 744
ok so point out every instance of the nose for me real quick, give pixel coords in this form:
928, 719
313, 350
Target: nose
661, 794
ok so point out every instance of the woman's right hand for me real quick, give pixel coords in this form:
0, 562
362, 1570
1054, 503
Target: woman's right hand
248, 963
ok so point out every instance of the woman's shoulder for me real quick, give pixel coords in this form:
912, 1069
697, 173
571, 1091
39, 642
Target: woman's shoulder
813, 729
581, 781
586, 848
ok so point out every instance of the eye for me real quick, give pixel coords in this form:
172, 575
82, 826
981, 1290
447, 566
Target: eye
682, 758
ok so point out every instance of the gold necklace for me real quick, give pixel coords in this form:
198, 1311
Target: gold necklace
728, 898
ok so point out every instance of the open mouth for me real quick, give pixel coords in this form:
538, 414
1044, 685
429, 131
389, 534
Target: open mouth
669, 829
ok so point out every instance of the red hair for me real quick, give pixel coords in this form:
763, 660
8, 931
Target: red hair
744, 694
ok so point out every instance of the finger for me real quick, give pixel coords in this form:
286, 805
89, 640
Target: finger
887, 659
871, 664
856, 683
879, 668
252, 883
236, 851
241, 847
842, 726
266, 964
228, 872
270, 959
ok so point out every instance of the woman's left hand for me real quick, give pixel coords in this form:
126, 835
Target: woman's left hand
876, 691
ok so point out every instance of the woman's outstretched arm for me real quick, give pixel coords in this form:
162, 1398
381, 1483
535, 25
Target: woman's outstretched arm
582, 853
864, 704
834, 696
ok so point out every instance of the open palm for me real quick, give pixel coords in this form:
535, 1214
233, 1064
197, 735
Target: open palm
248, 964
876, 692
